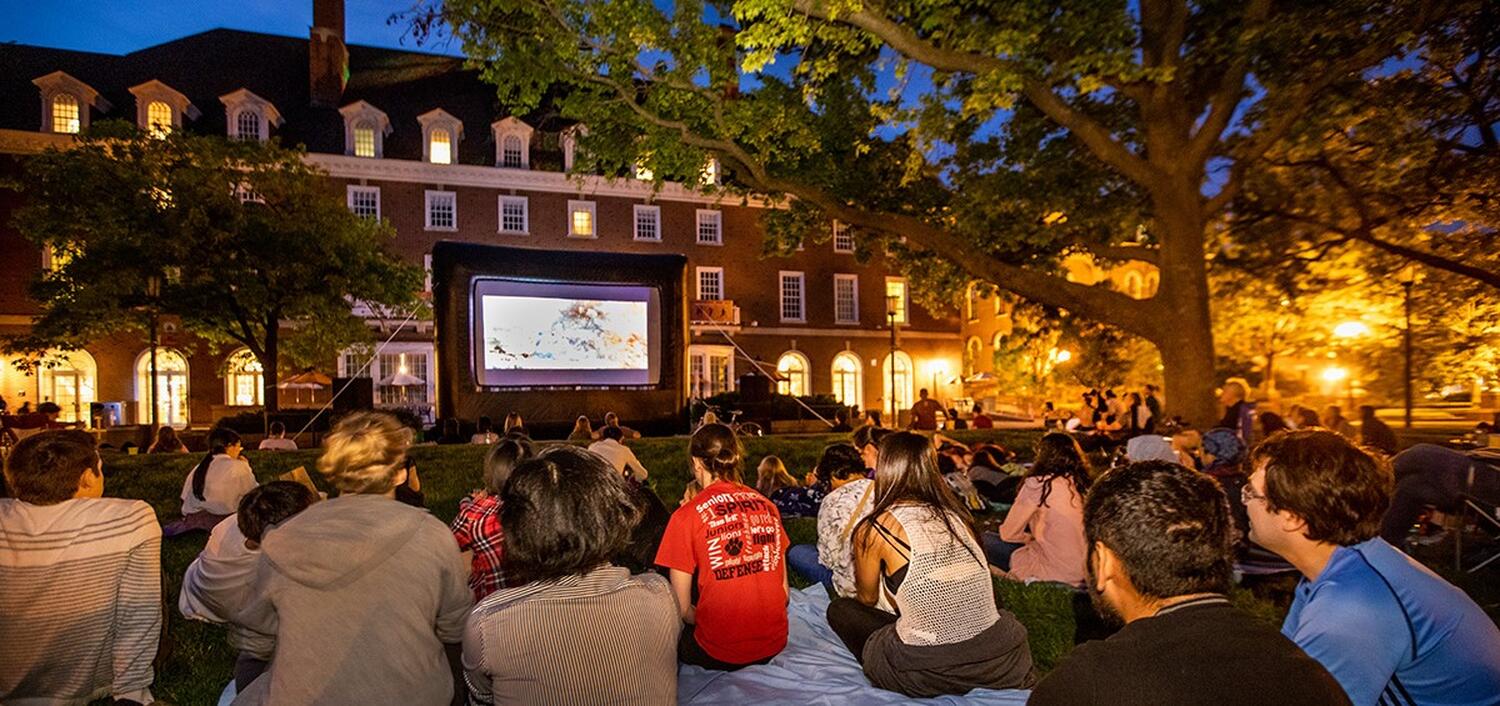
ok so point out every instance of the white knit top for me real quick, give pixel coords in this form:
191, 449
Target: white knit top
947, 595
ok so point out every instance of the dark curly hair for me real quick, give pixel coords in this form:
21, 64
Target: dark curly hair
564, 513
1059, 455
1169, 526
1338, 489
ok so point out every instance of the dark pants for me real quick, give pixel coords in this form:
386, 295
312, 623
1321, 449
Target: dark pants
803, 559
855, 622
246, 669
997, 550
1428, 474
690, 652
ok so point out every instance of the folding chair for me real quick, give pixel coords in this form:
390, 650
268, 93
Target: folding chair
1483, 479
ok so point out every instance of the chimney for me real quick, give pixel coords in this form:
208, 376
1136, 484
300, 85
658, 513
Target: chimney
327, 58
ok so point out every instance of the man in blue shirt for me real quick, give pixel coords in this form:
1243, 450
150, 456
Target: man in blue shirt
1389, 630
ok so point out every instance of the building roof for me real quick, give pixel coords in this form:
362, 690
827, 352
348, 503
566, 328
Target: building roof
210, 64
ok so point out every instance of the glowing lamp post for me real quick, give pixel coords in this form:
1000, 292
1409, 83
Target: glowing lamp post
1408, 278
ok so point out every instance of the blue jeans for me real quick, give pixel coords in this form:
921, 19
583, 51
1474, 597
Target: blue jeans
803, 559
997, 550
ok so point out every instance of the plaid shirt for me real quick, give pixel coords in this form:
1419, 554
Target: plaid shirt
477, 529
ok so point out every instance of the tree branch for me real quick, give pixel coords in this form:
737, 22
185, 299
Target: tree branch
1231, 89
1125, 253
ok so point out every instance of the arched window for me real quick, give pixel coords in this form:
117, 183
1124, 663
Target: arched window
1134, 285
440, 146
791, 373
65, 113
247, 125
972, 353
896, 380
244, 379
171, 387
159, 118
846, 387
971, 302
364, 139
511, 153
1153, 281
998, 341
69, 379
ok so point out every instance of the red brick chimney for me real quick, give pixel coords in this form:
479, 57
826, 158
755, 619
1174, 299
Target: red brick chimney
327, 58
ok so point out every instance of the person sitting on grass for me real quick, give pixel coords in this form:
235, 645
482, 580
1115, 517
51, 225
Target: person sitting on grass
981, 420
80, 579
212, 491
610, 448
571, 627
477, 525
375, 583
217, 584
831, 562
167, 442
918, 547
989, 472
484, 432
739, 618
1386, 627
773, 481
1041, 538
276, 440
582, 430
1375, 434
1160, 561
867, 440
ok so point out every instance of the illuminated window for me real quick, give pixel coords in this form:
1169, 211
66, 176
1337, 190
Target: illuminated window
710, 283
440, 147
511, 154
843, 240
581, 221
972, 353
364, 140
846, 299
171, 387
159, 118
846, 387
513, 216
244, 380
364, 201
247, 125
710, 227
65, 116
791, 374
648, 223
442, 210
710, 174
895, 297
792, 299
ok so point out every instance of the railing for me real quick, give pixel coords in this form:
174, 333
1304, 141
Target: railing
721, 312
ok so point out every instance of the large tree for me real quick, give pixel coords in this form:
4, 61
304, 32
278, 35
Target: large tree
246, 243
991, 137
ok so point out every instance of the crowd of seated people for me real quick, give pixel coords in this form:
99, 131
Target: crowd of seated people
525, 597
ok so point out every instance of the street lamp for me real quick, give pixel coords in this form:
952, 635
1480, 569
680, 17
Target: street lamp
891, 303
1408, 277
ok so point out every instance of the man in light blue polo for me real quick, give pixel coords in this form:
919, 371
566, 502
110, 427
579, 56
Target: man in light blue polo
1389, 630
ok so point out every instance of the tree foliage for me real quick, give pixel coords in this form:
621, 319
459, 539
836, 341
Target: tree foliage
248, 245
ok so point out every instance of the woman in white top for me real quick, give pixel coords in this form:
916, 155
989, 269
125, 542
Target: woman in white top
1042, 538
917, 547
215, 486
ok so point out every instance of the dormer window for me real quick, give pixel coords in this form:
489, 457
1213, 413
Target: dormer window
512, 143
160, 109
569, 140
365, 128
66, 102
710, 174
440, 135
248, 116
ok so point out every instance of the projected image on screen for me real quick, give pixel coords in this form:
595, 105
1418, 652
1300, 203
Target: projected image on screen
565, 334
540, 333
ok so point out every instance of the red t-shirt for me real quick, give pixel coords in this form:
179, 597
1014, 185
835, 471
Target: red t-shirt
731, 537
981, 421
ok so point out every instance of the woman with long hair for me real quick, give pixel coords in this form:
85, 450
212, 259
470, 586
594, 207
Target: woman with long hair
477, 524
1042, 537
167, 442
213, 490
918, 548
1270, 423
731, 538
772, 477
582, 430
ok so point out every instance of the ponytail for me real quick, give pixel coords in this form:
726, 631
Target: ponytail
218, 440
719, 450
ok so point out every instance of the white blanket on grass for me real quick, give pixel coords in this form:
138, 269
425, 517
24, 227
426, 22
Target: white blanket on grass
815, 668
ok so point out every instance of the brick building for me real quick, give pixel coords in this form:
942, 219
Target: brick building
421, 141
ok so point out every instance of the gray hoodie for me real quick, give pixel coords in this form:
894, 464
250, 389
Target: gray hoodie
361, 593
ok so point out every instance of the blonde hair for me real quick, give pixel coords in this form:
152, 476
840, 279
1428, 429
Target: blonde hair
771, 476
364, 452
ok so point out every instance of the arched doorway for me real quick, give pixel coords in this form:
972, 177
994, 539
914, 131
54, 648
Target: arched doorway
171, 387
791, 374
901, 378
846, 383
68, 378
244, 379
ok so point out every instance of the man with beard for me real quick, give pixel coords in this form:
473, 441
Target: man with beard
1160, 560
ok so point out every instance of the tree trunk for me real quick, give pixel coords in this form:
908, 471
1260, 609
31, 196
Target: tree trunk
1185, 332
269, 363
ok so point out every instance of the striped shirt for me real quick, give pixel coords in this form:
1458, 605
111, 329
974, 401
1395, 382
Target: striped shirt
602, 637
80, 600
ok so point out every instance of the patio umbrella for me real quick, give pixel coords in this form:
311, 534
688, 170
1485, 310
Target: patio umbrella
305, 380
403, 381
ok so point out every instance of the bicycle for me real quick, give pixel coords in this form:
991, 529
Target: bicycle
740, 428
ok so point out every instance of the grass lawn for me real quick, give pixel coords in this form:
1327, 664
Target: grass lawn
196, 661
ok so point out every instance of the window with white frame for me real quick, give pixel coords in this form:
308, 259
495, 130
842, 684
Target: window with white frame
710, 283
895, 297
365, 128
648, 223
248, 116
160, 109
364, 201
158, 118
513, 216
846, 299
510, 152
441, 133
710, 370
364, 139
65, 114
793, 301
247, 125
843, 239
710, 227
512, 143
791, 374
244, 379
440, 146
427, 273
442, 210
66, 102
581, 220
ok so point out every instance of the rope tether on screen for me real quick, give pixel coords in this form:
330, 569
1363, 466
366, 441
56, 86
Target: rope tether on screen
361, 371
762, 369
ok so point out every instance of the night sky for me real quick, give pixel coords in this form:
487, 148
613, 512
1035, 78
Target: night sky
122, 26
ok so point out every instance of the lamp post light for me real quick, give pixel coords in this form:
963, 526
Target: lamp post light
1408, 278
891, 303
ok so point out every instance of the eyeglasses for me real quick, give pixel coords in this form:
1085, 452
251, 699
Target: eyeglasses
1247, 494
